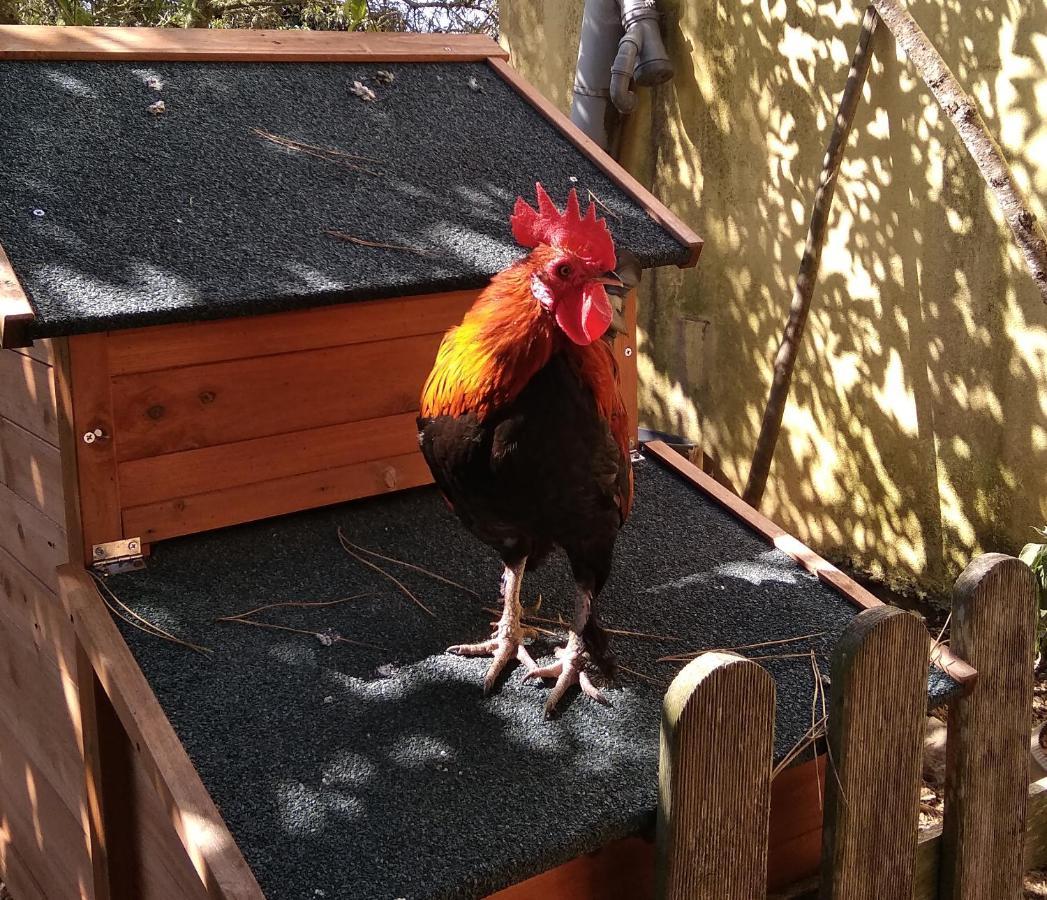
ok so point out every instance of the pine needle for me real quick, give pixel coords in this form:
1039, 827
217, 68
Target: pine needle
124, 612
655, 681
301, 604
327, 154
407, 593
319, 635
412, 566
562, 624
381, 245
755, 646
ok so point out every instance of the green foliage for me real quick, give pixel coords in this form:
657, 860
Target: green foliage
1035, 557
478, 16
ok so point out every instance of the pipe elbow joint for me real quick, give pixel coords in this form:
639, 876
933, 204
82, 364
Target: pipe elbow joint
622, 72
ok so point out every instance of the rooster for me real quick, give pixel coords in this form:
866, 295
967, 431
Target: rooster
523, 426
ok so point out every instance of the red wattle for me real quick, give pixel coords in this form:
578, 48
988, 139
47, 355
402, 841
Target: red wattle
586, 316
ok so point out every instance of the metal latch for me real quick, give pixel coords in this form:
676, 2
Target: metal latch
115, 557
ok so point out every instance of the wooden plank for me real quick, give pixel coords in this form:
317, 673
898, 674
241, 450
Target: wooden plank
218, 403
37, 680
877, 709
92, 412
646, 200
92, 699
27, 395
248, 503
794, 842
714, 780
625, 354
987, 768
42, 350
32, 468
622, 870
197, 822
68, 445
16, 315
196, 343
32, 538
181, 475
238, 45
36, 822
942, 656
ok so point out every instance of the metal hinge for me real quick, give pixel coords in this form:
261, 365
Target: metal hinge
115, 557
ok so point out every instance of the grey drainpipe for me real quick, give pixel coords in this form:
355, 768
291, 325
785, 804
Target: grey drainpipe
606, 71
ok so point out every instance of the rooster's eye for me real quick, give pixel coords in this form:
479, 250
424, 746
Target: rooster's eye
564, 270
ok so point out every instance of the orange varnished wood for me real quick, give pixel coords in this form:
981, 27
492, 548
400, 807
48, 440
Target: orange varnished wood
239, 45
96, 462
941, 656
219, 403
625, 354
794, 843
15, 312
651, 204
197, 343
173, 476
231, 506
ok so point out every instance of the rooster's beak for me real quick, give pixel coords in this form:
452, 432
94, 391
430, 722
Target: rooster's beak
610, 279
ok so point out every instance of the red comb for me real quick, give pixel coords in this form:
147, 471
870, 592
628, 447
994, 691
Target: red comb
587, 238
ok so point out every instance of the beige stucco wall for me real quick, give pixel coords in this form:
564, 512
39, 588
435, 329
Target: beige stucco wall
916, 434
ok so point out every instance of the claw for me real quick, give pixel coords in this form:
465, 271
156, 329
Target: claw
568, 670
504, 645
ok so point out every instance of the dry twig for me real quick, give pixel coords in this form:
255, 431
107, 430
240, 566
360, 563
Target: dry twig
407, 593
363, 242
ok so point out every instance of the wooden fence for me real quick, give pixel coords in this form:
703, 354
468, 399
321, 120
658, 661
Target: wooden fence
716, 757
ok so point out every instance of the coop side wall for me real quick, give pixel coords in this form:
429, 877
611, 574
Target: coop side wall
44, 850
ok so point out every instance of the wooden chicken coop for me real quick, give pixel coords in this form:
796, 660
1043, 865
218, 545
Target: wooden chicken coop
228, 258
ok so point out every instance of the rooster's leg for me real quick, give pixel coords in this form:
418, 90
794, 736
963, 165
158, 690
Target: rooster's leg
569, 668
506, 642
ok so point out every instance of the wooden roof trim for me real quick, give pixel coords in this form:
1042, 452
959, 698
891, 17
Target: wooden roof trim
80, 42
212, 850
941, 656
15, 312
653, 206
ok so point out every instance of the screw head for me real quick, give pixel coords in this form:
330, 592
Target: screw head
99, 552
132, 546
628, 351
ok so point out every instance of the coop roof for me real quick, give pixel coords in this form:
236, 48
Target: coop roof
379, 768
343, 167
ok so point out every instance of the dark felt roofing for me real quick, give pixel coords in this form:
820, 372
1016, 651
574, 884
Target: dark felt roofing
386, 773
113, 217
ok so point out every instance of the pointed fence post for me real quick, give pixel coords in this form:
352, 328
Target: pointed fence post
714, 780
987, 764
872, 786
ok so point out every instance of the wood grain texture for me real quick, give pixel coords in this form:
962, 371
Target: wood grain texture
16, 315
91, 698
622, 870
31, 537
248, 503
92, 403
173, 476
32, 468
215, 857
218, 403
625, 354
877, 710
942, 656
238, 45
27, 395
714, 780
196, 343
794, 842
42, 350
987, 767
646, 200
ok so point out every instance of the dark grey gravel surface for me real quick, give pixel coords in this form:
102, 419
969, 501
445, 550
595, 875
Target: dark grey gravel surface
114, 217
350, 772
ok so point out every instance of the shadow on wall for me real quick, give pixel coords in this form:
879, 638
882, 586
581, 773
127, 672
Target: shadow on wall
917, 428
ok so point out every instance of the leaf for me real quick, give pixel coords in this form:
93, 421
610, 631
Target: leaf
355, 12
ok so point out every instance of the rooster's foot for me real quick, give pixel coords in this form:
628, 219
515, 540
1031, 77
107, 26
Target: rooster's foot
505, 644
568, 670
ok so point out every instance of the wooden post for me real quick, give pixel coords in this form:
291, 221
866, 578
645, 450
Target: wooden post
714, 781
987, 765
872, 789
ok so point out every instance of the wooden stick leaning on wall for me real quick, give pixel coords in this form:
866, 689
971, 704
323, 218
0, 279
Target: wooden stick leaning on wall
876, 725
960, 107
789, 348
987, 768
714, 806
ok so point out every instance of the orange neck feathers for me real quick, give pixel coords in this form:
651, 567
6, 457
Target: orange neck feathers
488, 360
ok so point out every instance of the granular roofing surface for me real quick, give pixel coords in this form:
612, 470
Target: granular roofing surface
115, 217
355, 772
